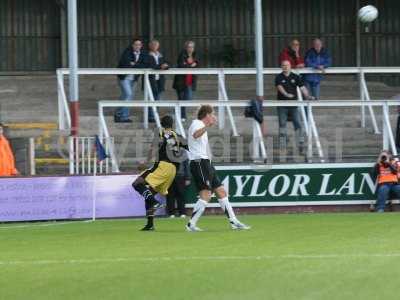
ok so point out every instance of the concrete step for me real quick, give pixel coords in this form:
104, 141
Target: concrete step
52, 169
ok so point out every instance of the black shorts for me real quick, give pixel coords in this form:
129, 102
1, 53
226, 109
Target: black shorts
204, 175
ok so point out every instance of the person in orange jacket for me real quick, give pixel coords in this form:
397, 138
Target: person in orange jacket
385, 172
7, 161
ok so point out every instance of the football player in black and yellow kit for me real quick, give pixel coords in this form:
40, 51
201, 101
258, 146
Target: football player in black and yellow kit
158, 179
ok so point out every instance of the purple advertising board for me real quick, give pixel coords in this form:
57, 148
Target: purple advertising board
55, 198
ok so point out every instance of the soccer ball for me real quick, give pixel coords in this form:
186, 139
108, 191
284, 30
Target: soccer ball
368, 14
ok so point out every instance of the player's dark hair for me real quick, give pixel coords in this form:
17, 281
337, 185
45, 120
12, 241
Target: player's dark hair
167, 121
204, 110
136, 40
1, 125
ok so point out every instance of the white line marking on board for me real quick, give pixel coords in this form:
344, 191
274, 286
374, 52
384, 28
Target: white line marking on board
198, 258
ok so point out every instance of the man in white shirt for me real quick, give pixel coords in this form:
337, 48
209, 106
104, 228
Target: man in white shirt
203, 172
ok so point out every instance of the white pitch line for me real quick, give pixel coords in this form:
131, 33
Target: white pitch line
82, 221
44, 225
195, 258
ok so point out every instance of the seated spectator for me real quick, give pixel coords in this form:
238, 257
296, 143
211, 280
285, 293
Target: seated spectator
7, 161
317, 58
157, 82
132, 57
385, 172
292, 54
176, 193
286, 84
185, 85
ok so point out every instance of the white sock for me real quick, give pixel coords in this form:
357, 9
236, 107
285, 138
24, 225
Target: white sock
227, 208
198, 210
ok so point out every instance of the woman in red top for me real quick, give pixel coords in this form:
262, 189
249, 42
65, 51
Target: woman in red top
185, 85
292, 53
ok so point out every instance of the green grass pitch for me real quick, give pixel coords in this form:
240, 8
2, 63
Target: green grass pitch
302, 256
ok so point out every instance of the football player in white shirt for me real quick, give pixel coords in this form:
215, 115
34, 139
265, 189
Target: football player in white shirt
203, 172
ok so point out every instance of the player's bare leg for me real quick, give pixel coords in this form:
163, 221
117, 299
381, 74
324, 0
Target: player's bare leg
228, 210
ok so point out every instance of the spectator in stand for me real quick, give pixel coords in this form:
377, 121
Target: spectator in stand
317, 58
185, 85
292, 54
286, 84
385, 172
7, 161
397, 98
176, 193
157, 82
132, 57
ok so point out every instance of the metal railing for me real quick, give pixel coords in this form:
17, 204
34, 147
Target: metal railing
366, 97
258, 141
65, 116
309, 127
83, 158
313, 137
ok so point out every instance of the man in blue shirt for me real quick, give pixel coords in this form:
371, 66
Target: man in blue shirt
317, 58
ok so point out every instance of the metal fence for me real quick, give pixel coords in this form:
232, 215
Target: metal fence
388, 141
224, 104
83, 156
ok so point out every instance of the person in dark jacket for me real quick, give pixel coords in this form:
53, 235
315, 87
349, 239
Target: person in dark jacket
397, 98
176, 193
317, 58
286, 84
185, 85
132, 57
385, 172
292, 54
157, 81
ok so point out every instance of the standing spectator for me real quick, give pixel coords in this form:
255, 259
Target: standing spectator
385, 172
176, 193
185, 85
132, 57
7, 161
157, 81
292, 54
317, 58
397, 97
286, 84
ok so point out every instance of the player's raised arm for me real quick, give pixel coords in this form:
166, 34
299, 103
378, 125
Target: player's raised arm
198, 133
208, 122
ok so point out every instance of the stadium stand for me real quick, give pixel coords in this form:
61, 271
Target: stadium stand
32, 101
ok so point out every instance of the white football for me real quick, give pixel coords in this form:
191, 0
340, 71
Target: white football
368, 14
